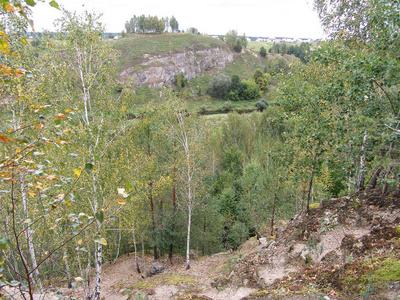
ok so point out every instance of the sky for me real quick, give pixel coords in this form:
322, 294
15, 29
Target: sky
258, 18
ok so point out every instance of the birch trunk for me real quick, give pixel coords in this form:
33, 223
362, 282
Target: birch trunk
28, 235
361, 178
65, 257
134, 245
188, 239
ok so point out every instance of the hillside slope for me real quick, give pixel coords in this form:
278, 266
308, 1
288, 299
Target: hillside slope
154, 60
345, 248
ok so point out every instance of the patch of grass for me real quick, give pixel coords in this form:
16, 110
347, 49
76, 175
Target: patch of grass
387, 270
134, 47
256, 46
179, 280
314, 205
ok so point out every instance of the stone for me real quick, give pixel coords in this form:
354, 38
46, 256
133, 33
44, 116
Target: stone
159, 71
394, 286
263, 241
156, 268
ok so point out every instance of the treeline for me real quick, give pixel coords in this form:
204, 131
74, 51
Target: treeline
301, 51
151, 24
83, 178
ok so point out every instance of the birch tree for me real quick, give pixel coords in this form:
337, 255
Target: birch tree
190, 135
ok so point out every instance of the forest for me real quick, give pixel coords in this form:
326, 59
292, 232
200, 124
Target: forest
82, 181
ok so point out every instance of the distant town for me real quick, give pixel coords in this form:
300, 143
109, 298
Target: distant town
117, 35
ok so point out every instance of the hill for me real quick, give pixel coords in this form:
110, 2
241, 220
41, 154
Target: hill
154, 60
345, 248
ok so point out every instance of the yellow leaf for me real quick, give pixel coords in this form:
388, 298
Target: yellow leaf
31, 193
80, 241
39, 127
61, 116
11, 8
18, 72
51, 177
68, 204
2, 33
67, 131
77, 172
67, 111
3, 138
122, 202
59, 141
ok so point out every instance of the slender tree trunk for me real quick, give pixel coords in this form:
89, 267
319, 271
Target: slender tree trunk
29, 237
134, 246
65, 257
361, 178
143, 259
273, 216
97, 286
188, 239
119, 244
98, 246
374, 178
386, 184
310, 186
389, 170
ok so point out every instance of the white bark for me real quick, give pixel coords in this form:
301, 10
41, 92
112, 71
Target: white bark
361, 178
188, 239
28, 235
65, 257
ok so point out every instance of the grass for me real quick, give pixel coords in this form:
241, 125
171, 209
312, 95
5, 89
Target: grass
135, 47
256, 46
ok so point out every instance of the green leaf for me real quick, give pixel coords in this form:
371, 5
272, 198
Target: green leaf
99, 216
88, 167
30, 2
54, 4
100, 240
4, 3
3, 243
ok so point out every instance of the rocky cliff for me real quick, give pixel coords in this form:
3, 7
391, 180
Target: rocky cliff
159, 70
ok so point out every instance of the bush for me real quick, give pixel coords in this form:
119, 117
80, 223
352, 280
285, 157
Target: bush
251, 91
219, 85
263, 52
276, 65
180, 81
261, 105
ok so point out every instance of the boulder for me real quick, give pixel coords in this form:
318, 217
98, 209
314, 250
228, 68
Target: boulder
156, 268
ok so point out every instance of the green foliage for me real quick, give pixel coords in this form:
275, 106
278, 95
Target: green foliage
193, 30
261, 105
276, 65
251, 89
149, 24
180, 81
262, 80
219, 85
263, 52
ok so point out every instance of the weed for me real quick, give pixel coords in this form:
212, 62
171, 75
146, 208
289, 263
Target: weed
140, 296
367, 293
313, 247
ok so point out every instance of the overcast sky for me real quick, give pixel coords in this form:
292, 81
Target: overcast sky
268, 18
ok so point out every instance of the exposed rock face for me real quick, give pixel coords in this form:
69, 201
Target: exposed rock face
159, 71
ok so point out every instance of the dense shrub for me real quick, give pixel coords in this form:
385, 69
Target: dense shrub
219, 85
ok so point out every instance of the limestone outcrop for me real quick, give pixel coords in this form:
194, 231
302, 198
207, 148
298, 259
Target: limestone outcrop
158, 71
